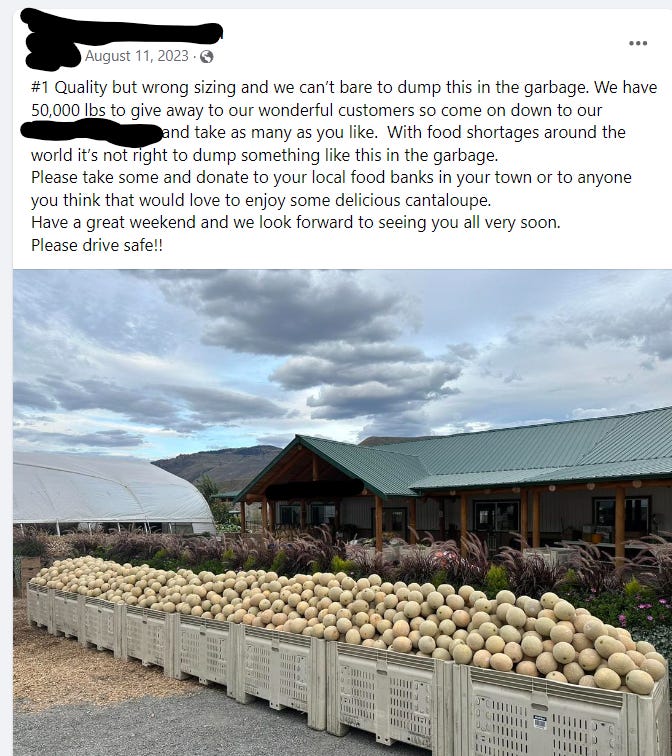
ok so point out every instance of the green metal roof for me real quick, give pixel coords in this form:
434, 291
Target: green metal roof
522, 448
384, 470
619, 447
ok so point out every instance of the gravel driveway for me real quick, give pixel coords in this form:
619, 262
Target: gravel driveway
207, 722
74, 701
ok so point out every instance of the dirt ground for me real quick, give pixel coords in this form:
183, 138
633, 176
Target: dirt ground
75, 674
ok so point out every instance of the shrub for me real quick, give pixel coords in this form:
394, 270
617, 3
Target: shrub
279, 562
342, 565
30, 542
594, 571
367, 562
496, 579
529, 574
419, 564
654, 563
464, 570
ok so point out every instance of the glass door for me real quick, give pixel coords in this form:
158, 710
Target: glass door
394, 521
495, 521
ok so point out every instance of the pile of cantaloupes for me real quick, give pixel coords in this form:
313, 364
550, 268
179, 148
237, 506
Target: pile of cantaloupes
542, 638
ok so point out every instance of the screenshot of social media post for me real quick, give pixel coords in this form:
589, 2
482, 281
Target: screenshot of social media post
306, 138
340, 345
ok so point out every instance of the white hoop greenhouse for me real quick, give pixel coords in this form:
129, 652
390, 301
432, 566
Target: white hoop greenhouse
73, 491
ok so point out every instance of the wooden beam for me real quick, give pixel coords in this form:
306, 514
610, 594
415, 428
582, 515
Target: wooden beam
523, 520
337, 515
379, 524
271, 516
282, 467
316, 475
559, 487
242, 516
302, 519
442, 519
536, 519
619, 527
412, 522
464, 501
264, 514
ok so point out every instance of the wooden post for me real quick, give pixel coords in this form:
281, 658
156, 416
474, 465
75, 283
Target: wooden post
302, 519
337, 515
619, 527
523, 519
412, 522
442, 519
379, 524
536, 519
271, 516
463, 523
242, 516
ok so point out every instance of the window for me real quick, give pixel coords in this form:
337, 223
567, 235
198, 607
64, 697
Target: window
290, 514
394, 520
497, 516
322, 514
636, 512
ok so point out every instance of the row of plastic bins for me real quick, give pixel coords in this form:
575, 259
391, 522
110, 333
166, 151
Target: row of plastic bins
448, 709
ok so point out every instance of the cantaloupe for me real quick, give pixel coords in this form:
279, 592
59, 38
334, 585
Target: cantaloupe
639, 681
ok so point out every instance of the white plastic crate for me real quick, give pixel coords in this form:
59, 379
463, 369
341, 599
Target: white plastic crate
102, 625
284, 669
204, 649
505, 714
146, 635
397, 697
552, 555
68, 614
40, 605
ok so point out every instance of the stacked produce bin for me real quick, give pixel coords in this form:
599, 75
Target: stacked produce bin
395, 696
440, 706
504, 714
204, 649
288, 671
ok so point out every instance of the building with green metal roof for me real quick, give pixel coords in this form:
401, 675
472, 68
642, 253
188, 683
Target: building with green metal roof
608, 478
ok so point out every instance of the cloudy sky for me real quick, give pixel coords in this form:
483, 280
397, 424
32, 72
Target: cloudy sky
160, 363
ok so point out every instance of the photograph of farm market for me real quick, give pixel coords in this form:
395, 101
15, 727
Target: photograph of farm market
342, 511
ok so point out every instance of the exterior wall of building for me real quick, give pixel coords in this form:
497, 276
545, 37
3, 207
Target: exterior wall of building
356, 511
560, 511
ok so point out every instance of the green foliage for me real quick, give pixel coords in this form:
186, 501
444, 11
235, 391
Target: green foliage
496, 580
225, 520
249, 563
231, 524
210, 565
279, 562
208, 488
228, 559
440, 577
634, 612
634, 589
342, 565
162, 560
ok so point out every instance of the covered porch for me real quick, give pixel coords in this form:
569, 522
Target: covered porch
606, 512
